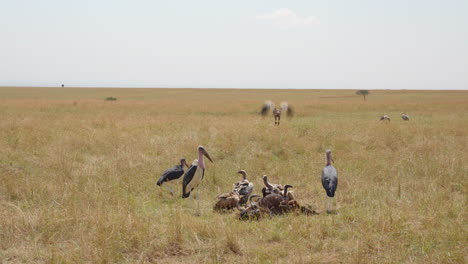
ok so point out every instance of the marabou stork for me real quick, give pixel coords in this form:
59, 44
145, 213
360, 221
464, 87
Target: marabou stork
385, 118
284, 107
244, 188
173, 173
195, 173
329, 179
404, 116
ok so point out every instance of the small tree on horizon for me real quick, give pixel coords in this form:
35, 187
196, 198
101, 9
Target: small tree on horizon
364, 93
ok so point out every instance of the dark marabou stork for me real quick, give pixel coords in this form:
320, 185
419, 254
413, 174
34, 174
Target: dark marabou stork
195, 173
173, 173
243, 187
270, 106
329, 179
404, 116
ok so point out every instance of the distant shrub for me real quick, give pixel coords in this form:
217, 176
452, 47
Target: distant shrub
110, 99
364, 93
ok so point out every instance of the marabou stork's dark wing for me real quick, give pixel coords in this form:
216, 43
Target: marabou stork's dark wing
267, 106
187, 179
329, 180
285, 107
171, 174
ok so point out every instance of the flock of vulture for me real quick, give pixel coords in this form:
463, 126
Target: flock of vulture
276, 199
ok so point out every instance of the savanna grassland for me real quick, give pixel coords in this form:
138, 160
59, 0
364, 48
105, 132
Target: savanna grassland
78, 176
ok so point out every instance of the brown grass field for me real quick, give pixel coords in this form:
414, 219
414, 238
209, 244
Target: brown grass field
78, 176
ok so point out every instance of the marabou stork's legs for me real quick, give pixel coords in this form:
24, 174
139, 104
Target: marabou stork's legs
279, 118
169, 188
196, 199
329, 204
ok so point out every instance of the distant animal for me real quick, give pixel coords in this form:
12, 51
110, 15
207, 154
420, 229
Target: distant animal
195, 173
270, 106
63, 85
173, 173
405, 117
329, 179
243, 187
385, 118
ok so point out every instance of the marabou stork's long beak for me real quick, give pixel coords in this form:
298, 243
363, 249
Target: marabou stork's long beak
207, 155
182, 162
204, 152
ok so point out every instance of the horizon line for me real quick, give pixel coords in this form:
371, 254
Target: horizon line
225, 88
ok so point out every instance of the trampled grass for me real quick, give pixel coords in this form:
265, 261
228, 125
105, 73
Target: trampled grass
78, 176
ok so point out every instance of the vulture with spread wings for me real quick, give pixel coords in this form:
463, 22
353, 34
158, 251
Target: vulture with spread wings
270, 106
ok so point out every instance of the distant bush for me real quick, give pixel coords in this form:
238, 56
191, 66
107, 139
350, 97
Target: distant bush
110, 99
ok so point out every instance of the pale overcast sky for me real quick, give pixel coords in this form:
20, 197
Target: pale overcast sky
349, 44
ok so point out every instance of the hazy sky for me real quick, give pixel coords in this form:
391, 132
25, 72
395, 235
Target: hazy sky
350, 44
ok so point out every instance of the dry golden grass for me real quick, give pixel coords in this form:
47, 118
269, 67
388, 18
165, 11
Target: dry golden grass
78, 176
